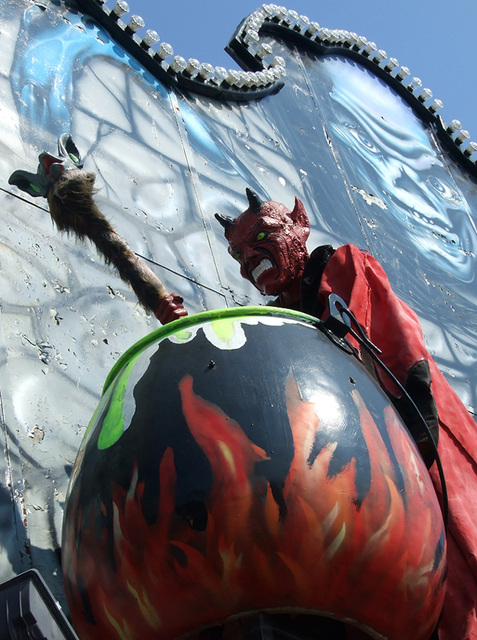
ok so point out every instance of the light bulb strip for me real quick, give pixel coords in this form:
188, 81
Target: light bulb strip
159, 59
261, 74
276, 20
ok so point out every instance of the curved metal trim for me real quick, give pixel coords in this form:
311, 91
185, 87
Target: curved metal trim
258, 80
191, 75
300, 31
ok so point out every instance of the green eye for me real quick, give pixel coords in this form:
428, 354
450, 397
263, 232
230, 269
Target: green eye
237, 255
261, 235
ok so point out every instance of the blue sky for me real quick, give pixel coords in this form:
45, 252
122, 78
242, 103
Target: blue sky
434, 38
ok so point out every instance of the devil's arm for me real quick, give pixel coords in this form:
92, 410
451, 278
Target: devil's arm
361, 282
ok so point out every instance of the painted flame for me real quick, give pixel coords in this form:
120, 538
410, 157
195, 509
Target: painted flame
377, 563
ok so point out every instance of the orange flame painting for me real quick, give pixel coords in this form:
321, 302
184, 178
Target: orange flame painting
374, 559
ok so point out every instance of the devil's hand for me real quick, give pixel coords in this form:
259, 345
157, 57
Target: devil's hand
170, 308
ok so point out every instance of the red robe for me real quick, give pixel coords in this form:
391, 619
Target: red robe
361, 282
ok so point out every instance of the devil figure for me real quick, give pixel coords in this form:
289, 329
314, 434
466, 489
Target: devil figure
269, 242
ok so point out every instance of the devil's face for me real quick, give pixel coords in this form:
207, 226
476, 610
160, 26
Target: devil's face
270, 246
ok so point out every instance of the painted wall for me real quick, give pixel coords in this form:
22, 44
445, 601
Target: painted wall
367, 169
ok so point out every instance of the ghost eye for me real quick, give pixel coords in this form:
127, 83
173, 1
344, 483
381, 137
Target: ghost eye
261, 235
442, 189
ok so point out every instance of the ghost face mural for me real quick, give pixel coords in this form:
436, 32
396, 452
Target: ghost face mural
389, 154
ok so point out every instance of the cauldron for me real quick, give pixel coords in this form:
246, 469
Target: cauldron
240, 462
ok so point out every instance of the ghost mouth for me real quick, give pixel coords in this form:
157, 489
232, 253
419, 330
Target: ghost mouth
263, 265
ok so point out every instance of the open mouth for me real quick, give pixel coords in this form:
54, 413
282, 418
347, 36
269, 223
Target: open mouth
263, 265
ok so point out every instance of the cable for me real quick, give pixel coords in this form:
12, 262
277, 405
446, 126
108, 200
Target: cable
181, 275
373, 350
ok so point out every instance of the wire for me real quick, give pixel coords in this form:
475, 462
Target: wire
181, 275
371, 349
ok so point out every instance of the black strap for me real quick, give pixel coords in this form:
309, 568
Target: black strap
311, 278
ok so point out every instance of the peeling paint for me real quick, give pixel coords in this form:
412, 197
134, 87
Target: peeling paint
369, 198
37, 434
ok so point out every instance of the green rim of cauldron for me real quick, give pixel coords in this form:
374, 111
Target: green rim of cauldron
201, 318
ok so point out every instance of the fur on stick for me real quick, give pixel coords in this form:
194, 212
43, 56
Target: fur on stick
74, 211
